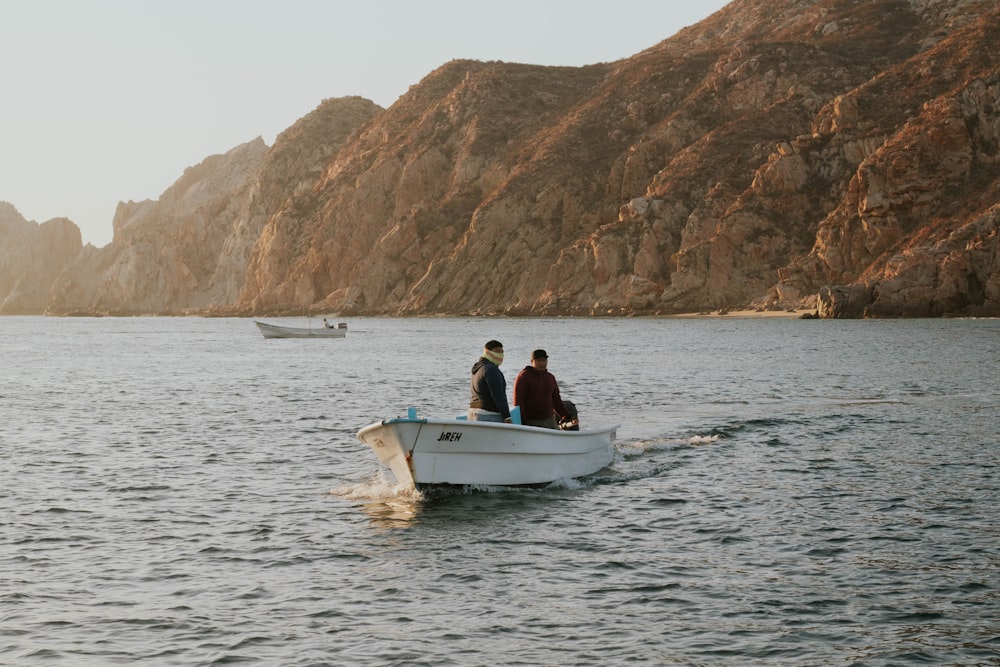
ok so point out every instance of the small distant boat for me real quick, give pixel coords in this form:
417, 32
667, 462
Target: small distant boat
276, 331
422, 452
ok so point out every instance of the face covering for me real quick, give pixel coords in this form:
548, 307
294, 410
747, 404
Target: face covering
495, 357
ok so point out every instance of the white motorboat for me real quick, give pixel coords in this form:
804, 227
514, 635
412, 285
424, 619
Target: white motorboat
426, 451
277, 331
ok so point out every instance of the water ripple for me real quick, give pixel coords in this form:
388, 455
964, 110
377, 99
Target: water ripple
179, 492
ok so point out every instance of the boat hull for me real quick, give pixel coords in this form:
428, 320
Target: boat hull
276, 331
424, 451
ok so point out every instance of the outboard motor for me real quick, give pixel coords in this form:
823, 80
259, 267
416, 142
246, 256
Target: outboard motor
572, 421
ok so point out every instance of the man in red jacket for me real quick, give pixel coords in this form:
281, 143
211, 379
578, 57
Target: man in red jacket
537, 393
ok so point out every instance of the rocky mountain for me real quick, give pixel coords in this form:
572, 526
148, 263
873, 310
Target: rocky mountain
32, 256
188, 251
830, 154
165, 253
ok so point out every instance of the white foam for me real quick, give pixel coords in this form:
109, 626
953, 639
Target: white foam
382, 487
566, 483
636, 448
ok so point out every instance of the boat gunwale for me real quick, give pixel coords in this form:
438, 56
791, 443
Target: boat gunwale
501, 425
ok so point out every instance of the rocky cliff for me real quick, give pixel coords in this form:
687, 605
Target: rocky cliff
164, 253
834, 154
830, 154
32, 256
187, 251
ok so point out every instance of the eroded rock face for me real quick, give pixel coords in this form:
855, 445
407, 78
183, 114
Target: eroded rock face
289, 173
165, 253
32, 256
188, 251
753, 159
835, 155
917, 224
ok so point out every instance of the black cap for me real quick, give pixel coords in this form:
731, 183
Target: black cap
539, 354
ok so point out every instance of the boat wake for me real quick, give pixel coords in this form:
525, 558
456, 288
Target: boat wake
635, 448
637, 460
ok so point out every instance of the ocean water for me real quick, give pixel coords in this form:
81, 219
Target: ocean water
180, 491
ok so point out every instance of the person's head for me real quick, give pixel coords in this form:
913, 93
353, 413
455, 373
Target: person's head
540, 360
493, 350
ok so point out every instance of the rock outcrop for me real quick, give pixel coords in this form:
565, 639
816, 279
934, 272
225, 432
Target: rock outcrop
290, 170
915, 231
756, 159
187, 252
165, 253
32, 256
830, 154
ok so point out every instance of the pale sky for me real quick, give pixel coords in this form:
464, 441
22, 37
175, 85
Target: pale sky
104, 101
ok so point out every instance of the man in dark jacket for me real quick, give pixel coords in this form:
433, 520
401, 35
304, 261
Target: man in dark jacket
489, 387
537, 393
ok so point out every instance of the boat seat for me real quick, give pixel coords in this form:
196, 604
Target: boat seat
515, 415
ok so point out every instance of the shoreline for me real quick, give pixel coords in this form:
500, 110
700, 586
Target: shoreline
788, 314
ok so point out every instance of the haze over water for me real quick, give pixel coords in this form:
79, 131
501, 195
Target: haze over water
179, 491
